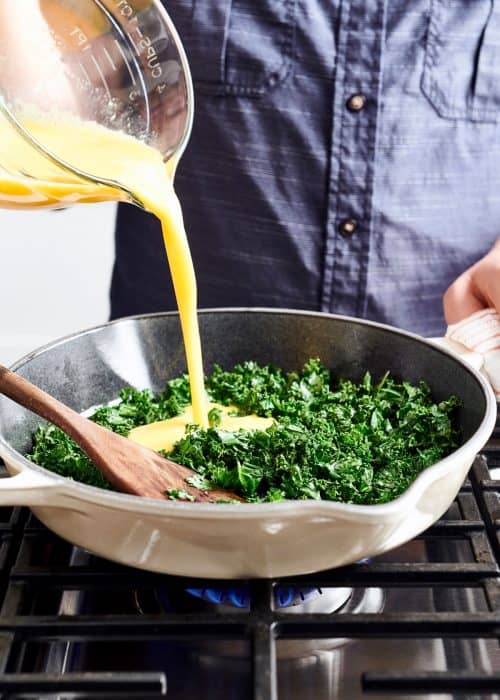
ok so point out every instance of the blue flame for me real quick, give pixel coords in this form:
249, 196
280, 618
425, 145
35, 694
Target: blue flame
284, 596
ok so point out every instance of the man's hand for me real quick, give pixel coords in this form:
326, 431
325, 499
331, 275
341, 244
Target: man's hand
477, 288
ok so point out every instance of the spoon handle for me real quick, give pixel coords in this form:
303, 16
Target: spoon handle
34, 399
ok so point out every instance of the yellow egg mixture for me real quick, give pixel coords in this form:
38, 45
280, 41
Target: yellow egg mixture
140, 170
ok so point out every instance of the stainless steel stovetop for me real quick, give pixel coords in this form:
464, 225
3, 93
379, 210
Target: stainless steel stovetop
420, 622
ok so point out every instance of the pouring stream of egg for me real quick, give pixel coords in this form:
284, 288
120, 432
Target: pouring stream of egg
140, 169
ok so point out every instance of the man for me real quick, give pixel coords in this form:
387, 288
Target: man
344, 158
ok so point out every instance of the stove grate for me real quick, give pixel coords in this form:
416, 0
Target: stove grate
134, 685
449, 682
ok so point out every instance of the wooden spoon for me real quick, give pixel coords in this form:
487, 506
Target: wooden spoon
129, 467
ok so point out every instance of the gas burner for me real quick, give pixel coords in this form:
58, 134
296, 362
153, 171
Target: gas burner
284, 597
330, 600
289, 599
325, 601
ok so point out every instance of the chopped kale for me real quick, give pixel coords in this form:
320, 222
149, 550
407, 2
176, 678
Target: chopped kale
214, 417
179, 495
360, 443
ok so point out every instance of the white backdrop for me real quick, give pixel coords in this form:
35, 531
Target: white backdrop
55, 269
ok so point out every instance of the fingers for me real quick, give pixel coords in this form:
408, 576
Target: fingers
462, 299
488, 284
477, 288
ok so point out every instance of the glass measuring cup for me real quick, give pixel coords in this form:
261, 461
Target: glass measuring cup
118, 63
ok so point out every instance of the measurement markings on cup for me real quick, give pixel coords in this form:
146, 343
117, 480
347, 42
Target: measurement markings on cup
101, 75
108, 56
140, 41
127, 62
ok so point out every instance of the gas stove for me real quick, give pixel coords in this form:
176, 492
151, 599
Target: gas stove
420, 622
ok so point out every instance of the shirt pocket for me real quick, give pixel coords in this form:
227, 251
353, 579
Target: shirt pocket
239, 47
461, 76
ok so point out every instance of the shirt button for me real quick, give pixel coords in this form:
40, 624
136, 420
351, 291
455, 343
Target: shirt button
348, 227
356, 103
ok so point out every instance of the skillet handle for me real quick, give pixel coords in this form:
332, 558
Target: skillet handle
29, 488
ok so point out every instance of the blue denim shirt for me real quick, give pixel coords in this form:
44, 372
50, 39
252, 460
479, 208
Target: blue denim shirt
345, 157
